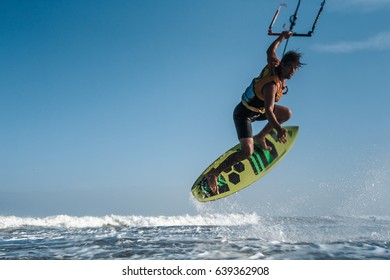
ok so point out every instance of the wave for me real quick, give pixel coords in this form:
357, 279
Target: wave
242, 219
129, 221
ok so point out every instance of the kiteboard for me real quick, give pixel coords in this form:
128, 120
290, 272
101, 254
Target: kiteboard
245, 172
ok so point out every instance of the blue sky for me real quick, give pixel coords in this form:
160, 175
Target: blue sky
116, 107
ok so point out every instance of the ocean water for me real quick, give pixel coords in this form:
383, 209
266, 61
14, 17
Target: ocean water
242, 236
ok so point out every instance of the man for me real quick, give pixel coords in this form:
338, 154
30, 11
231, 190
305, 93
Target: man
258, 104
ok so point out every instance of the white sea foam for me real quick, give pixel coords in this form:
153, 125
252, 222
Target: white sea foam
130, 221
207, 236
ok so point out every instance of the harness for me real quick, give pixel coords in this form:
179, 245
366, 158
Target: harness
253, 97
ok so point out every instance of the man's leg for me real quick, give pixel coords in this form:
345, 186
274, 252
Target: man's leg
282, 114
247, 148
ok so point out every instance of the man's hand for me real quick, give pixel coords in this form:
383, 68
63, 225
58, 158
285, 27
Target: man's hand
282, 135
285, 35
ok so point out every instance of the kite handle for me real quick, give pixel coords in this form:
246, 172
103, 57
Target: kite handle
293, 20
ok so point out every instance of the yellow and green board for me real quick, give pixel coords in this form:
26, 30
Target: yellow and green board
245, 172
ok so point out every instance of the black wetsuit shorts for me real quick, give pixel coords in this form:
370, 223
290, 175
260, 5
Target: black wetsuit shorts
243, 119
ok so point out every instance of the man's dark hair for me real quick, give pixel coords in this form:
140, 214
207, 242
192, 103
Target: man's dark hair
292, 57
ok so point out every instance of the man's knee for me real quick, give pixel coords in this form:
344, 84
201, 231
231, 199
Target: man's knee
285, 115
246, 152
247, 148
288, 114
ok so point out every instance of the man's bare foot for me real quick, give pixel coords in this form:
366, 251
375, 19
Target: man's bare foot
263, 143
212, 180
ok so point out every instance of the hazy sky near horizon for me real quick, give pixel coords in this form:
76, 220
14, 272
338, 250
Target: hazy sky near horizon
116, 107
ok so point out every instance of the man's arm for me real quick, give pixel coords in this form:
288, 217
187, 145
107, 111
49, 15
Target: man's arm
269, 92
272, 58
